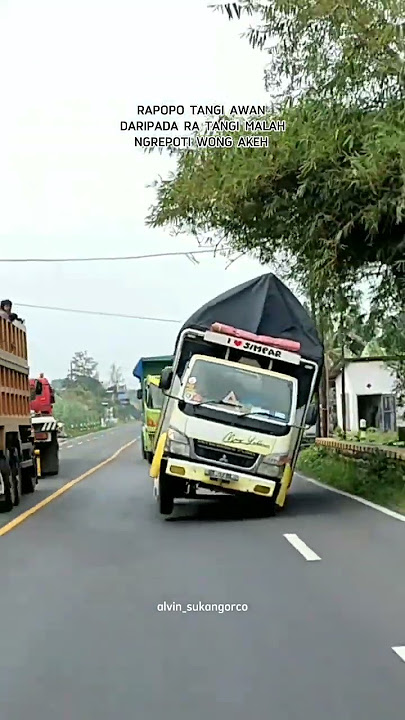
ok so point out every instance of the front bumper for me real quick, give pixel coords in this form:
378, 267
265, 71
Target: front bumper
202, 473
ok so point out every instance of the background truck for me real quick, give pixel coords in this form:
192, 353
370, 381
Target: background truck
44, 425
147, 371
246, 366
18, 470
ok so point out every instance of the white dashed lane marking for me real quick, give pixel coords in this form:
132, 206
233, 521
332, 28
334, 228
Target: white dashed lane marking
302, 548
400, 651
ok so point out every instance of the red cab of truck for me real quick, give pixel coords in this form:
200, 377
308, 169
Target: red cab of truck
42, 404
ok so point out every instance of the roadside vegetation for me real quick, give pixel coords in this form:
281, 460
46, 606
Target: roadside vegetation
377, 478
324, 204
371, 436
84, 404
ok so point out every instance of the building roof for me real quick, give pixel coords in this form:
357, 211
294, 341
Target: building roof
337, 370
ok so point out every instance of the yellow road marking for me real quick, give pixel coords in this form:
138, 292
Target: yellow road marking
25, 515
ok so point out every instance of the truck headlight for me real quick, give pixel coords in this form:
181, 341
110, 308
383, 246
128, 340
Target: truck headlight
273, 465
177, 443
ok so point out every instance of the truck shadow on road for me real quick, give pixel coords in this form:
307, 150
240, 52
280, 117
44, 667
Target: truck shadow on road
216, 510
306, 502
316, 501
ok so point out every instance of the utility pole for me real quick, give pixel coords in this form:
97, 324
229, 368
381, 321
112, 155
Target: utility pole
324, 386
343, 376
327, 396
318, 396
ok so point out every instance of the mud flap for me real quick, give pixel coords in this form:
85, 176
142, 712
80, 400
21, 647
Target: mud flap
285, 484
157, 458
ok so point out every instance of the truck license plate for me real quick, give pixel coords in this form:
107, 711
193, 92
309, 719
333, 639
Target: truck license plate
222, 476
41, 436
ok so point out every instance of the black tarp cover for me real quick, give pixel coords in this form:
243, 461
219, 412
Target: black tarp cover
264, 306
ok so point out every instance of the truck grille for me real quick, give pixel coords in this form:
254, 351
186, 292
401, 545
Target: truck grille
216, 453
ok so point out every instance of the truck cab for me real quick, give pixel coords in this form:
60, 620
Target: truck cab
152, 408
147, 371
233, 416
44, 424
42, 396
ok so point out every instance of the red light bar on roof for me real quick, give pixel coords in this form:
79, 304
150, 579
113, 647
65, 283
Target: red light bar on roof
290, 345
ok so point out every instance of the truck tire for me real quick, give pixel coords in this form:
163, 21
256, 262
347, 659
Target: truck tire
50, 457
270, 507
143, 447
263, 506
7, 501
29, 478
165, 495
15, 475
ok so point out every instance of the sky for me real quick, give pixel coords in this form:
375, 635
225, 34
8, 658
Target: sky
73, 185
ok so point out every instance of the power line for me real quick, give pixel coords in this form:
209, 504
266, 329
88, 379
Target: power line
188, 254
98, 312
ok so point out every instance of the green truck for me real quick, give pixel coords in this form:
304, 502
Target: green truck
147, 371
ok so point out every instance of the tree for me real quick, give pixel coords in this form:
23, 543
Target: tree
83, 365
116, 376
328, 193
351, 49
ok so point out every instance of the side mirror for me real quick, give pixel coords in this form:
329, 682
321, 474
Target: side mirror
139, 394
166, 378
311, 416
38, 388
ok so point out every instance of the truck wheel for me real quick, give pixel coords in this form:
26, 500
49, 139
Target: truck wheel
50, 461
263, 506
29, 478
7, 499
269, 506
165, 496
15, 475
143, 448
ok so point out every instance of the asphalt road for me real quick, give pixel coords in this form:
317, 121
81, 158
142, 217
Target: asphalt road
82, 636
76, 456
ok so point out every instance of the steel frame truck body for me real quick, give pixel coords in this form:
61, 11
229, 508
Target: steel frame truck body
45, 425
237, 403
18, 467
147, 371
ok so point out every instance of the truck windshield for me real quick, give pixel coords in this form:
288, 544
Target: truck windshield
243, 391
155, 397
33, 393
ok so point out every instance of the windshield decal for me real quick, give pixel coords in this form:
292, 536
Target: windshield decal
231, 399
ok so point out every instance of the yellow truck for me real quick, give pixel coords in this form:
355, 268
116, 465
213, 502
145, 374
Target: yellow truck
18, 468
147, 371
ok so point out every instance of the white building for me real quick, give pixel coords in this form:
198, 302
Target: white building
370, 395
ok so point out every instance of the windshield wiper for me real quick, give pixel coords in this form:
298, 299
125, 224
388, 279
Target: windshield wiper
266, 413
216, 402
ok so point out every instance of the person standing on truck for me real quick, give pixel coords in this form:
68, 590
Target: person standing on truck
6, 307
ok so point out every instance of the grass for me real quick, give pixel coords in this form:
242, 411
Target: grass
372, 437
77, 432
379, 479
